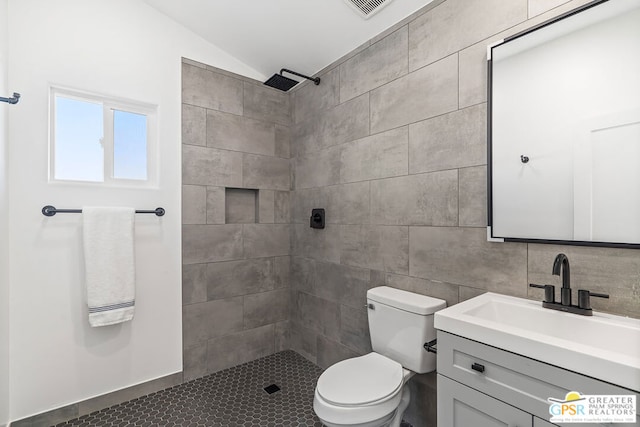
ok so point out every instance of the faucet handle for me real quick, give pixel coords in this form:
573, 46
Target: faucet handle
549, 291
584, 298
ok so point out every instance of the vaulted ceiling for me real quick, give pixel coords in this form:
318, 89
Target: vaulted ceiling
267, 35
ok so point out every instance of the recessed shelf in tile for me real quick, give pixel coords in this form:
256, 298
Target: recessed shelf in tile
241, 205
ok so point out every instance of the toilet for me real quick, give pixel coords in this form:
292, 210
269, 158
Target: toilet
372, 390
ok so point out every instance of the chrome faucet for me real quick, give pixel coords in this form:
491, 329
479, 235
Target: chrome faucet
562, 262
584, 296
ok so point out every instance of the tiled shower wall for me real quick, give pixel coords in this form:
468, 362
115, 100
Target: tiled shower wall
393, 145
235, 215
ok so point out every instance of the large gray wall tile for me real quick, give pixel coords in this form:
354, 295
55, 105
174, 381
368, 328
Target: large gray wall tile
354, 328
211, 90
194, 204
462, 256
321, 245
606, 270
194, 125
383, 248
282, 271
454, 140
467, 292
236, 278
209, 166
473, 196
303, 341
237, 133
210, 243
216, 205
317, 314
194, 361
282, 207
424, 199
318, 169
473, 73
456, 24
346, 122
283, 141
349, 203
330, 352
206, 320
264, 240
267, 104
341, 284
303, 274
194, 283
427, 92
266, 307
282, 336
240, 347
266, 172
380, 63
266, 206
378, 156
311, 100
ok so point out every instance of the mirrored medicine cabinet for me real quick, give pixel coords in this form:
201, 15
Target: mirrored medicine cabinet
564, 129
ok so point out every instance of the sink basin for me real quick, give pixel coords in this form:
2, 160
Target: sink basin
602, 346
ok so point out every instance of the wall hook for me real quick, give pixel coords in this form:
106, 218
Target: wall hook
13, 100
524, 159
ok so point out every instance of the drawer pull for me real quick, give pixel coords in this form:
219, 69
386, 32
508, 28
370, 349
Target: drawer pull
477, 367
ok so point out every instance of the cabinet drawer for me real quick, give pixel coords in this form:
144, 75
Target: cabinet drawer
517, 380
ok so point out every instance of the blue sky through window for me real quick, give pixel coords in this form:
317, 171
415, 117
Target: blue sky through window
79, 128
129, 145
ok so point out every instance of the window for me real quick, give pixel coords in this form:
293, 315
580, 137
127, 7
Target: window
101, 140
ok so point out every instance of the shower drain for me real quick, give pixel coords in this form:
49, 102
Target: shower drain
271, 388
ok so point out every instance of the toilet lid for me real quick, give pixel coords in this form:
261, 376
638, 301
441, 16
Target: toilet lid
360, 380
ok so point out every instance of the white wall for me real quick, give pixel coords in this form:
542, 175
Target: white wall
4, 225
121, 48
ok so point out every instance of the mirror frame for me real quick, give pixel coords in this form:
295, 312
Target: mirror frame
490, 236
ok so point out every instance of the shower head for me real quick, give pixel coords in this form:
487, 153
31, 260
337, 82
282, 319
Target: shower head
283, 83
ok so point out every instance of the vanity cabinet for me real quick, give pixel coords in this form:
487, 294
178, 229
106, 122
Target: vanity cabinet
483, 386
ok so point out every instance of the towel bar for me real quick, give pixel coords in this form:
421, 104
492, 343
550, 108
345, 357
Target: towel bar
51, 211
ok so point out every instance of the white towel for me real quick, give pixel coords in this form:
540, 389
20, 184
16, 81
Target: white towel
108, 235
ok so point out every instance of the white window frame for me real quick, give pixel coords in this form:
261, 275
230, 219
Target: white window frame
109, 105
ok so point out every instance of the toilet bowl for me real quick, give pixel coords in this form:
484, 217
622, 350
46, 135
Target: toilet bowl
372, 390
364, 391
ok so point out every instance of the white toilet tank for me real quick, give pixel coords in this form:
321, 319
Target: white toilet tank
400, 322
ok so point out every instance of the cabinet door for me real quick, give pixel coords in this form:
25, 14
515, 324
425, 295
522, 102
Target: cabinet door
461, 406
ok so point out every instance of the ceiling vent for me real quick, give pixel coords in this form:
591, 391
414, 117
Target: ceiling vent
367, 8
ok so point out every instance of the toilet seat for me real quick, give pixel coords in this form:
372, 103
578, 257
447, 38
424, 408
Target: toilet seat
361, 381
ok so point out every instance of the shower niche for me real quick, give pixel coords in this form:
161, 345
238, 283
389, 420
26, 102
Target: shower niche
241, 206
